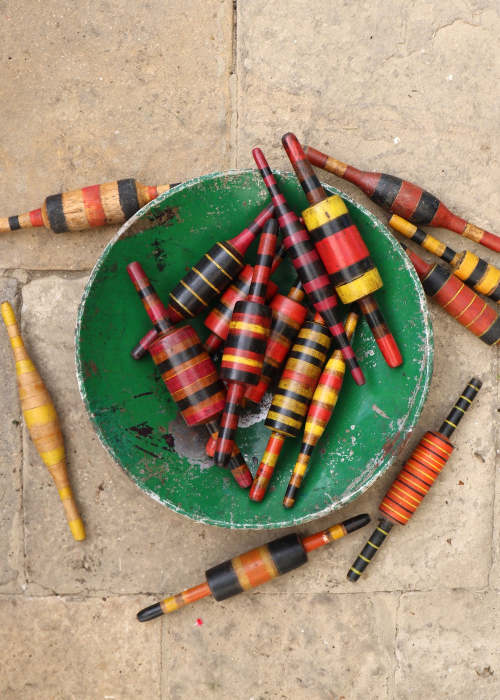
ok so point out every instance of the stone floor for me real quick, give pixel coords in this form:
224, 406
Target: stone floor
94, 91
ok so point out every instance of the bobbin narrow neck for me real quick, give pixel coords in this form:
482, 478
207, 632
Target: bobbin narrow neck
245, 238
262, 268
464, 401
153, 305
303, 169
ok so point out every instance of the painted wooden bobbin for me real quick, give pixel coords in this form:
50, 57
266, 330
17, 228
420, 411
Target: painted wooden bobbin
467, 266
415, 479
246, 342
255, 567
404, 198
288, 316
342, 250
42, 421
457, 299
97, 205
320, 411
291, 399
187, 370
308, 266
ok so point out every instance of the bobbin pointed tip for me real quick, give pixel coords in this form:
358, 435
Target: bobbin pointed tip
150, 613
259, 158
358, 376
356, 522
389, 349
77, 529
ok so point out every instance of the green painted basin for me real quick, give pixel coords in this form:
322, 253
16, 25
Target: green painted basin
135, 417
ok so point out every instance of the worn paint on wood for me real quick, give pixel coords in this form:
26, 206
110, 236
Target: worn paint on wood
120, 394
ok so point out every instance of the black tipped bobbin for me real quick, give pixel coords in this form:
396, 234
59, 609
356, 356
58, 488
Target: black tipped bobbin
150, 613
457, 412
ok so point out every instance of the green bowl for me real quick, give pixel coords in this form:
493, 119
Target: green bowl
135, 417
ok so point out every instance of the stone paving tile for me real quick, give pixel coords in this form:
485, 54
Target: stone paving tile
392, 105
495, 570
105, 91
61, 648
285, 647
11, 526
134, 544
448, 646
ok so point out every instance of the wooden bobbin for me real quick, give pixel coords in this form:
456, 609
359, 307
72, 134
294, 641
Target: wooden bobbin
185, 367
320, 411
236, 464
458, 300
219, 318
308, 266
42, 421
255, 567
404, 198
415, 479
246, 342
291, 399
467, 266
97, 205
214, 272
342, 250
288, 316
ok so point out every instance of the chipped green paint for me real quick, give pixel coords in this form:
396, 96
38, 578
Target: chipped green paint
136, 419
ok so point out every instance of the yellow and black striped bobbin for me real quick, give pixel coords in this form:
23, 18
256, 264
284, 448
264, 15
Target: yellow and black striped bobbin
479, 274
370, 549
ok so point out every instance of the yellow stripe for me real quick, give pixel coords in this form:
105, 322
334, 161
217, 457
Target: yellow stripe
364, 558
402, 225
372, 545
65, 493
268, 562
465, 309
25, 366
336, 532
311, 352
314, 428
169, 605
53, 456
355, 571
189, 313
241, 360
325, 395
273, 415
368, 283
323, 212
465, 397
229, 253
241, 574
473, 387
396, 512
40, 415
323, 339
458, 408
300, 468
217, 264
289, 404
380, 529
17, 342
205, 280
193, 293
437, 447
450, 423
244, 326
466, 265
336, 363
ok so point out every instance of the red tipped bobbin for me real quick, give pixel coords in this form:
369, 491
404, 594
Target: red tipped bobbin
342, 250
288, 316
246, 342
457, 299
404, 198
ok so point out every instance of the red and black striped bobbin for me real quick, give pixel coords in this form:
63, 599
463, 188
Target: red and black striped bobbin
404, 198
288, 316
215, 271
150, 299
236, 465
457, 299
246, 341
219, 318
342, 250
308, 265
189, 375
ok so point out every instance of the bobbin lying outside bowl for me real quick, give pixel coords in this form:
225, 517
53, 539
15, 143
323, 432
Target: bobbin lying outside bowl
137, 420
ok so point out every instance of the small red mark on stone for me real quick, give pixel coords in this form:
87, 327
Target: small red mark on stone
199, 621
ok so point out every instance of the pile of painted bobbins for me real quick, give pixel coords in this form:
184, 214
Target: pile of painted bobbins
297, 344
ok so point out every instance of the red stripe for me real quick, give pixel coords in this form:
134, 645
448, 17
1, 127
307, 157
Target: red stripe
407, 199
36, 217
92, 202
342, 249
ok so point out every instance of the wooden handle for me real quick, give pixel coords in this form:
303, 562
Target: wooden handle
97, 205
42, 421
